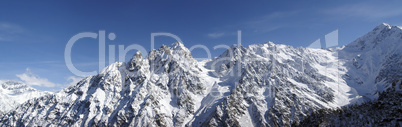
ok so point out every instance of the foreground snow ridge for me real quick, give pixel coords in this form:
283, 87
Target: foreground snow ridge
261, 85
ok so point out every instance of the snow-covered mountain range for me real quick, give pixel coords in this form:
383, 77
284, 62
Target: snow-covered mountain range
13, 93
259, 85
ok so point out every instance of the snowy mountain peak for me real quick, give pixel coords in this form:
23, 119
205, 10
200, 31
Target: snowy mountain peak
383, 33
138, 53
178, 46
136, 61
179, 49
176, 52
382, 26
112, 67
234, 52
270, 43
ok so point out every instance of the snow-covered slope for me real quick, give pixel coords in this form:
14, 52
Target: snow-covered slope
13, 93
261, 85
275, 85
383, 111
374, 60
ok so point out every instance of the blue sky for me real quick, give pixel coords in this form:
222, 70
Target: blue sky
33, 35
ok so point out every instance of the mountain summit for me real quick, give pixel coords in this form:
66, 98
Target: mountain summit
383, 33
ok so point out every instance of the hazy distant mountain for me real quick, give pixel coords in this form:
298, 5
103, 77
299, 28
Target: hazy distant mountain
261, 85
13, 93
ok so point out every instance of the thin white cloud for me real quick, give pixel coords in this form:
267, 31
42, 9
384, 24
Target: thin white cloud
272, 16
33, 80
367, 10
269, 22
11, 28
216, 35
264, 23
10, 32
